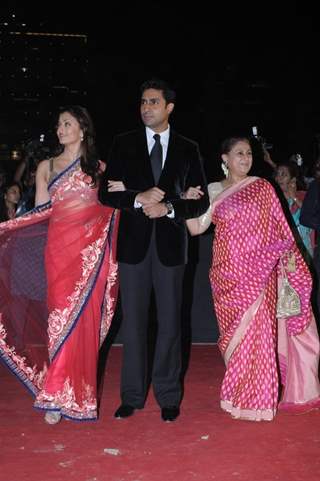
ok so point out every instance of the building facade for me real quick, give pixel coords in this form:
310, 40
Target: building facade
41, 69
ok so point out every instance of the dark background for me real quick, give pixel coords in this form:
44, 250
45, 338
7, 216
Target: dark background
234, 65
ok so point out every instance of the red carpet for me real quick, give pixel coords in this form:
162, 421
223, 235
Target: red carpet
203, 444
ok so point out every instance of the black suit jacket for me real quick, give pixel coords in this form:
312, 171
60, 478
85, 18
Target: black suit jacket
310, 210
129, 161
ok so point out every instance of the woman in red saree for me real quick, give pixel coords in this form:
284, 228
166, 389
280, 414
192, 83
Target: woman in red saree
58, 278
260, 352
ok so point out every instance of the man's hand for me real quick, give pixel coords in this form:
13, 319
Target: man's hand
153, 211
150, 196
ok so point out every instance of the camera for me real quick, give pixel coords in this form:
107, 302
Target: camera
255, 131
264, 144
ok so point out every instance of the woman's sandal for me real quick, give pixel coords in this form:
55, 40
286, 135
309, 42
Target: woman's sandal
52, 417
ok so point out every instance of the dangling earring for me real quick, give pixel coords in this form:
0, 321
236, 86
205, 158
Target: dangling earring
81, 138
225, 169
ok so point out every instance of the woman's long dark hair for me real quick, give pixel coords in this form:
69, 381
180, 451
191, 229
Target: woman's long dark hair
3, 207
89, 160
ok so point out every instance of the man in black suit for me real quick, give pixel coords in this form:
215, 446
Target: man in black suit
152, 244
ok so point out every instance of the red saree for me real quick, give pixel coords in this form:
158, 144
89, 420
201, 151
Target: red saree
251, 235
58, 283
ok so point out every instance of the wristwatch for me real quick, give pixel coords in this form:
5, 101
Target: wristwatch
169, 206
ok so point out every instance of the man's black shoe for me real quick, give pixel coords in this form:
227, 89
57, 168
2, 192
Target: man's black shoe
124, 411
170, 413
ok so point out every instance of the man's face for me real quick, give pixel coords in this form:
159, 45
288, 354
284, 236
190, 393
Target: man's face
154, 110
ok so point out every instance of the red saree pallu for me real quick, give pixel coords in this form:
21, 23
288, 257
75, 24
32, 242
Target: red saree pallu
251, 235
59, 286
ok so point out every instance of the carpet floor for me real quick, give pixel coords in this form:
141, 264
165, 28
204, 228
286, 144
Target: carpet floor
203, 444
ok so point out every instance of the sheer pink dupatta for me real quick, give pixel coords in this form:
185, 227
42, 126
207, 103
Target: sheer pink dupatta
82, 290
23, 295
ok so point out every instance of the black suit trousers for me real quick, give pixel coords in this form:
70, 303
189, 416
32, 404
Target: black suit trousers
136, 282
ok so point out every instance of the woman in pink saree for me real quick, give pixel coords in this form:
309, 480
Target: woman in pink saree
261, 353
58, 278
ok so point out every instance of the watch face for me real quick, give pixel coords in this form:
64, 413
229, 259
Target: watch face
169, 207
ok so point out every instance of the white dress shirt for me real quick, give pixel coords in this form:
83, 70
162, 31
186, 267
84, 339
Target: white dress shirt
164, 140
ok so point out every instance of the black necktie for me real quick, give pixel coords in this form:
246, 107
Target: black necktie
156, 158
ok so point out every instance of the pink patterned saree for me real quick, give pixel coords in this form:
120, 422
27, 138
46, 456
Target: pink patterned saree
58, 290
260, 352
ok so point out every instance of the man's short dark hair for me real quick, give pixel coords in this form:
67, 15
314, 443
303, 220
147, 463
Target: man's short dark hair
168, 93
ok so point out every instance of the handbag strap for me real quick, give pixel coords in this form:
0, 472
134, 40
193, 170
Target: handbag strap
283, 269
290, 266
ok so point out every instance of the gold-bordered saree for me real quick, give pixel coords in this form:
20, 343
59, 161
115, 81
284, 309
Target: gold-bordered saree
58, 289
260, 352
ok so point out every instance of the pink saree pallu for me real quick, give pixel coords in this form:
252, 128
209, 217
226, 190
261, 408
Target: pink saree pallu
58, 290
261, 353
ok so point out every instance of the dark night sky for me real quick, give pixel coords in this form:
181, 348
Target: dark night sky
196, 49
199, 50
